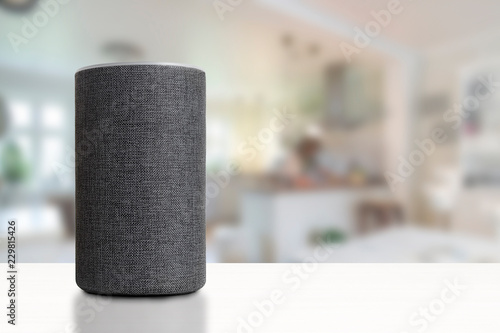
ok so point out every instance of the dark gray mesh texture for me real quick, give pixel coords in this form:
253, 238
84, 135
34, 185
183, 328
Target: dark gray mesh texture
140, 179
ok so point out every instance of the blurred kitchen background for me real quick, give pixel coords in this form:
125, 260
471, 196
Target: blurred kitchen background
300, 137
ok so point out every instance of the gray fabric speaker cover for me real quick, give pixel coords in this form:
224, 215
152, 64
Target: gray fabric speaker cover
140, 179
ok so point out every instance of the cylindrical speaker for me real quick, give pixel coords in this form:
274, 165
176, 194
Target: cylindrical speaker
140, 179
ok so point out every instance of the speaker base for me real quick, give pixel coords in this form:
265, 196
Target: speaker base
132, 294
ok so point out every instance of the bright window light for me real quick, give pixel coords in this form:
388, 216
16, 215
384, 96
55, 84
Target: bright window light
52, 152
52, 117
20, 114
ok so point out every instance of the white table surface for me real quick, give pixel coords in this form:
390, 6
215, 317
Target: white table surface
333, 298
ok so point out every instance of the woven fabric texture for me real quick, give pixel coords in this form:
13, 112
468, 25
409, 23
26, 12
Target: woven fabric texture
140, 179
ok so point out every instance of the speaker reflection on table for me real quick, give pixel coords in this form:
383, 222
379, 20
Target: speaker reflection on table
140, 179
100, 314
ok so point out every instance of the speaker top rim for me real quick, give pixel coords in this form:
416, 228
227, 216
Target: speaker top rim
118, 64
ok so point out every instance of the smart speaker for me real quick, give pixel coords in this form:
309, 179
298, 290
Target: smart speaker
140, 179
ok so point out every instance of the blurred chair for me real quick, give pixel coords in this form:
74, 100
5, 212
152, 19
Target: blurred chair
66, 206
375, 215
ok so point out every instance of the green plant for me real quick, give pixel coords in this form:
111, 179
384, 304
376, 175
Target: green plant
13, 165
330, 236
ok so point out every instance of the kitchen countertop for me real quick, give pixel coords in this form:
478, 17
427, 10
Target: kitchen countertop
410, 244
270, 298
